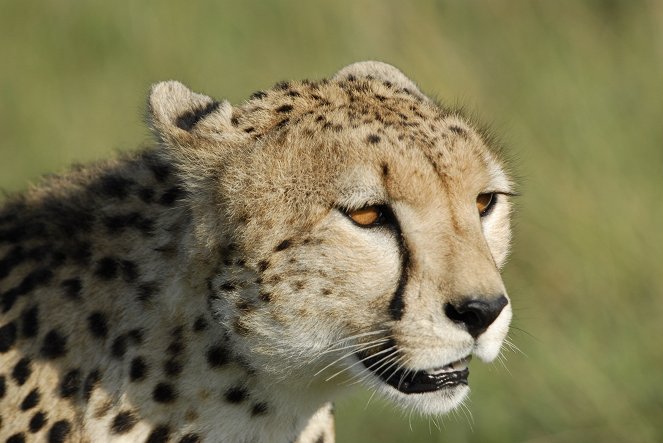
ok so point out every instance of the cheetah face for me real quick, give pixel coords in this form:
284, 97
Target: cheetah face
368, 226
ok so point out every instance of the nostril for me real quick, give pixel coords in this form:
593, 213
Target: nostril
476, 314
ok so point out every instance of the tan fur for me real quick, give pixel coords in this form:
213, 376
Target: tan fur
213, 288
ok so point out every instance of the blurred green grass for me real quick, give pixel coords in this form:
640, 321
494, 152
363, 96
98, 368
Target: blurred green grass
575, 86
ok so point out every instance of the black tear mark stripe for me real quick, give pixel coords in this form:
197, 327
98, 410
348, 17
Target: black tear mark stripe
189, 119
397, 304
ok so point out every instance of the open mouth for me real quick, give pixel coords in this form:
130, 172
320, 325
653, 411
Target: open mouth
419, 382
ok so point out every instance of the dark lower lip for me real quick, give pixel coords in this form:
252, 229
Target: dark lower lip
418, 382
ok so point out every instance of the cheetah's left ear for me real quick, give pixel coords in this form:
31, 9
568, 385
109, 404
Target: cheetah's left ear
179, 116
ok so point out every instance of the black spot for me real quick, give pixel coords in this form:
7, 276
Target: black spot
282, 123
7, 336
282, 85
31, 400
351, 78
172, 367
119, 346
200, 324
258, 95
235, 395
259, 409
119, 223
234, 120
22, 232
159, 434
3, 386
373, 139
113, 186
263, 265
54, 345
147, 290
457, 130
285, 244
160, 170
129, 270
136, 336
70, 384
30, 319
36, 278
90, 384
249, 130
123, 422
191, 118
265, 296
59, 431
190, 438
170, 196
228, 286
284, 109
80, 252
175, 348
146, 195
13, 258
217, 356
164, 393
16, 438
37, 422
72, 288
138, 369
22, 371
320, 439
107, 268
385, 170
98, 324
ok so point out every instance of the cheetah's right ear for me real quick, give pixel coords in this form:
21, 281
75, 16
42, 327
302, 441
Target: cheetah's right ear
179, 116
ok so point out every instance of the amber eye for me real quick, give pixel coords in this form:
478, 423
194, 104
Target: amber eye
485, 202
368, 216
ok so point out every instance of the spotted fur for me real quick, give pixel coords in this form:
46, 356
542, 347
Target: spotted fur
213, 288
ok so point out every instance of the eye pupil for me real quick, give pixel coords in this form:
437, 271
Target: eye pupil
485, 202
367, 216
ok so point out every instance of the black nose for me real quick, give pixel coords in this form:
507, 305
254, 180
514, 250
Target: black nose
476, 314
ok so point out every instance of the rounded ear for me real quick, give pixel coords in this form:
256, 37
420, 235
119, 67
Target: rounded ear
176, 114
381, 71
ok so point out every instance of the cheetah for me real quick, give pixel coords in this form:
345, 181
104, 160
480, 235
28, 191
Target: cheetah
230, 282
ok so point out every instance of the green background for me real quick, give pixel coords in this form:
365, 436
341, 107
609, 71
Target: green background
573, 86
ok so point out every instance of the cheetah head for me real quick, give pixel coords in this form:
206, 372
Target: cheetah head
362, 225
